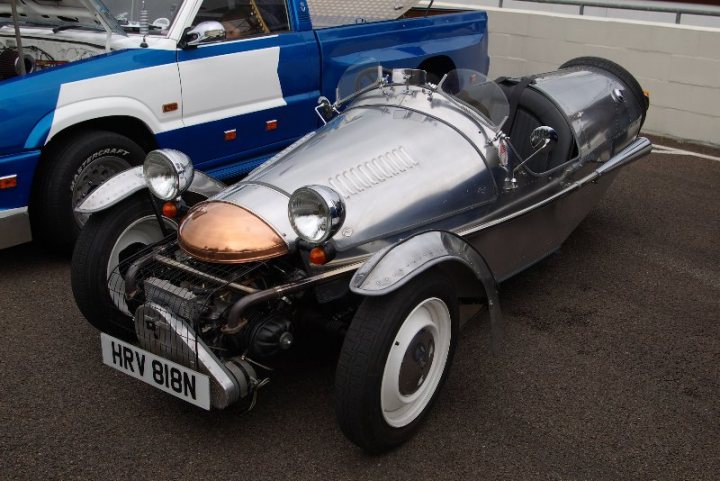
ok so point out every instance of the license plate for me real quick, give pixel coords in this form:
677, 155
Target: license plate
161, 373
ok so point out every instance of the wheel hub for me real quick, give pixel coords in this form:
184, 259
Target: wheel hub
417, 362
90, 176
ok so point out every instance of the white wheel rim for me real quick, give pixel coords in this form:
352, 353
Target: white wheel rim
430, 318
144, 230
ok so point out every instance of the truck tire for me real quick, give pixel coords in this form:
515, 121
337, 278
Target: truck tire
394, 361
70, 170
108, 238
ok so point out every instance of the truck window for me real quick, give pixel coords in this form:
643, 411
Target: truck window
246, 18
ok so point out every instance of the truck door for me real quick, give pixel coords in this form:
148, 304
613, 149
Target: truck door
253, 93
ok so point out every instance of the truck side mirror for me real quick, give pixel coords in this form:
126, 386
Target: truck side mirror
202, 33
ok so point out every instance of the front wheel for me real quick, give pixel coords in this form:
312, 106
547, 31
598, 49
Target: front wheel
71, 169
395, 358
109, 238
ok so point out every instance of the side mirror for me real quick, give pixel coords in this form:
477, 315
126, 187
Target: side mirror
324, 109
542, 137
202, 33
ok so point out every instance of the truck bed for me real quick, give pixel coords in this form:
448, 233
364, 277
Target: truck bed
439, 42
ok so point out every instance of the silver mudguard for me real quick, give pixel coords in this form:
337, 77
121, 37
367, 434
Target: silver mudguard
126, 183
394, 266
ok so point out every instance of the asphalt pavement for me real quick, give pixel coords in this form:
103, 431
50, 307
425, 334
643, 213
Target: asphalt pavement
610, 369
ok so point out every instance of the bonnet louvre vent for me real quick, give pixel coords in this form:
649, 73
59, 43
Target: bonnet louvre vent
368, 174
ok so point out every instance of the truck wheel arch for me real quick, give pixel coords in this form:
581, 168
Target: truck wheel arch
130, 127
71, 163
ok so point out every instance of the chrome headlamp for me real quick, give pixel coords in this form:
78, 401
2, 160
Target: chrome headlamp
316, 213
168, 173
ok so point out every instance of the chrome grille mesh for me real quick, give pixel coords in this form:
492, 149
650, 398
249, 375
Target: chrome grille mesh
187, 288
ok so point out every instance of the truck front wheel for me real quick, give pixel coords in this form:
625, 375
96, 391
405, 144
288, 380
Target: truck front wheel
71, 169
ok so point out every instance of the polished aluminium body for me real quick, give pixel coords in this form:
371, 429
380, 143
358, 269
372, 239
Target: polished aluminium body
406, 161
388, 163
408, 180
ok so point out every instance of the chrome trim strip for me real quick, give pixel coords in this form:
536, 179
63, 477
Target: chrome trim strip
639, 148
266, 185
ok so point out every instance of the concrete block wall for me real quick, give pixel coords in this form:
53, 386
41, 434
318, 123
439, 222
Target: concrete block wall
648, 16
678, 64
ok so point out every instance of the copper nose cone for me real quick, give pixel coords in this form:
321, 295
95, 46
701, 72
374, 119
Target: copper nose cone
221, 232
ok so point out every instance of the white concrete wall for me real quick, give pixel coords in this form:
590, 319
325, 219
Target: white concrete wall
648, 16
679, 65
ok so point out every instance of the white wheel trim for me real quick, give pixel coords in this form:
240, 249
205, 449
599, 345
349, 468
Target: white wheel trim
399, 410
144, 230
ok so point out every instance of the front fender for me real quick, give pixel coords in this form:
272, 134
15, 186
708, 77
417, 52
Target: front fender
39, 134
91, 109
391, 268
126, 183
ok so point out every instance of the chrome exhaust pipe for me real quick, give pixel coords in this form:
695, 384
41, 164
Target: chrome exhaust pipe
166, 335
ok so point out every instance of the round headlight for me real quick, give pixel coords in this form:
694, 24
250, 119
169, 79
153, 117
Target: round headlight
168, 173
316, 213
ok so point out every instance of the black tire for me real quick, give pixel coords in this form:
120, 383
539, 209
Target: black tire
64, 164
364, 355
90, 260
620, 72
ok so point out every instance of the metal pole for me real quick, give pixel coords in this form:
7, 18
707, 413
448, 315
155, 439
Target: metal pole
132, 18
582, 9
677, 17
18, 38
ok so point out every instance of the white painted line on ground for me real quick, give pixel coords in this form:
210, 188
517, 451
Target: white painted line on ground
662, 149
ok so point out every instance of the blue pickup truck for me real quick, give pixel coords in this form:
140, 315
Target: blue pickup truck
87, 88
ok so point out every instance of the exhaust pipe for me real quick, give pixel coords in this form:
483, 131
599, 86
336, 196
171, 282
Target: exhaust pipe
161, 333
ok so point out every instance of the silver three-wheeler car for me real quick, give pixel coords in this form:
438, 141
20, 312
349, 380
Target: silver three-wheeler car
413, 196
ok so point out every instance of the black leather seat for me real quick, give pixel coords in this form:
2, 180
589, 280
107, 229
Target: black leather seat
533, 109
